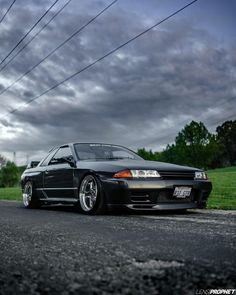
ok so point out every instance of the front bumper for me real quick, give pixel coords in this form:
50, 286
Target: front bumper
155, 194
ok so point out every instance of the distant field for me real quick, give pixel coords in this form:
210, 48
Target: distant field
223, 195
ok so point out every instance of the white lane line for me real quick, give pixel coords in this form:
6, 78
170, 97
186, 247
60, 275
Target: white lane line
197, 220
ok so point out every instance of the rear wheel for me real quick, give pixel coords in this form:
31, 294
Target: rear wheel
30, 199
91, 198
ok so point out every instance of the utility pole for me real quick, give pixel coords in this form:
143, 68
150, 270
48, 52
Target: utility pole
14, 157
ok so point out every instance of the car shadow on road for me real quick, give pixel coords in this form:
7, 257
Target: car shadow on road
75, 210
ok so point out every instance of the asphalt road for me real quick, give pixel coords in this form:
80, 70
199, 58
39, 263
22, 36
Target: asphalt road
59, 251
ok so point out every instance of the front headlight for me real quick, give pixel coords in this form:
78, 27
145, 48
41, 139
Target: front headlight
144, 173
136, 174
200, 175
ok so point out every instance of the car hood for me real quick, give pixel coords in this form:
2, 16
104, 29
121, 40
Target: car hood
118, 165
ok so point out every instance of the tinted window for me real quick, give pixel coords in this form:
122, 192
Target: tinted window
63, 152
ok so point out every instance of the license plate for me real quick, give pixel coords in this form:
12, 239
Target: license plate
182, 192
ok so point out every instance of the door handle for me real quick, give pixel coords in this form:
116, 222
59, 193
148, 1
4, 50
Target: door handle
46, 172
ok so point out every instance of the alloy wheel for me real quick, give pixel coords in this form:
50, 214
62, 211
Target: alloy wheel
27, 194
88, 193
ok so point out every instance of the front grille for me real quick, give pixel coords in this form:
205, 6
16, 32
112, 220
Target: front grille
181, 175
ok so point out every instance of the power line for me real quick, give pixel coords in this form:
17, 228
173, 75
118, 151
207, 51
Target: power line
225, 119
5, 14
166, 136
33, 37
30, 30
59, 46
216, 106
101, 58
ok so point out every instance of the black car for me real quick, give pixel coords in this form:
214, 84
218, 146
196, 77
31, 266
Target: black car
97, 177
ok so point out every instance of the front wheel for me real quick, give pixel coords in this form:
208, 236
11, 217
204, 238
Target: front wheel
29, 196
91, 198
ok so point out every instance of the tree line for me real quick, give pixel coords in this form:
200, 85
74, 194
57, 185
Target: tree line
194, 146
9, 173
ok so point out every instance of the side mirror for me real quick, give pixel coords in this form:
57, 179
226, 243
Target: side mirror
33, 164
68, 160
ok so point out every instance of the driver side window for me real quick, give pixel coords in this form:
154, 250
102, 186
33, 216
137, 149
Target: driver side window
63, 152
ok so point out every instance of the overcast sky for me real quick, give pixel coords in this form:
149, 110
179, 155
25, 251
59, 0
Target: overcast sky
141, 96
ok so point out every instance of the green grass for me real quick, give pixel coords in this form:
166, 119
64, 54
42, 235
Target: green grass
10, 193
223, 195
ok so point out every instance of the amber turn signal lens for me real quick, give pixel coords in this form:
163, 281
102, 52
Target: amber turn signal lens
123, 174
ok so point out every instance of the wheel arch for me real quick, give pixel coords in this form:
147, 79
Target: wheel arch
26, 179
97, 174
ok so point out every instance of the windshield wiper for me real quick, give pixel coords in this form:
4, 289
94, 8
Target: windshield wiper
108, 158
118, 158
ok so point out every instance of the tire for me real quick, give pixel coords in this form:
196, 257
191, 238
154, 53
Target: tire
91, 196
181, 211
30, 199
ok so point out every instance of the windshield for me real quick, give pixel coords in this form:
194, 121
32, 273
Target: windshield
97, 151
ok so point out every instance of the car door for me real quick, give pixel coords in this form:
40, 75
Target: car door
58, 176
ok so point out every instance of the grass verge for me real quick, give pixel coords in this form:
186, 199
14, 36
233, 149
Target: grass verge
223, 195
10, 193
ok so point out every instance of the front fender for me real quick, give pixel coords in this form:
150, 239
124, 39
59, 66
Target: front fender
36, 177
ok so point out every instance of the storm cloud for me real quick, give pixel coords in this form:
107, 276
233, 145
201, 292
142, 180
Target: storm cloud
140, 96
